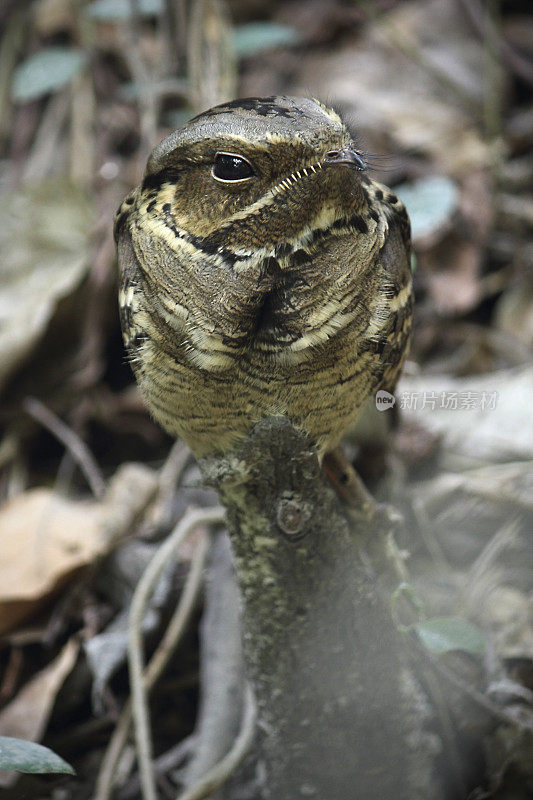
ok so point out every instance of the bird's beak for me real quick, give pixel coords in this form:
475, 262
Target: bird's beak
346, 157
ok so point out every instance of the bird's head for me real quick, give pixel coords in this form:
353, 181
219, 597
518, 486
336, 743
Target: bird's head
249, 173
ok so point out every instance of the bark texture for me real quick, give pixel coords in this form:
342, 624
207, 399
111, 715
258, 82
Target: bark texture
340, 716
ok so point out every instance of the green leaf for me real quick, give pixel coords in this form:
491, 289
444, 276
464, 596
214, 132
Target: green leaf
257, 36
442, 634
46, 71
430, 203
117, 10
22, 756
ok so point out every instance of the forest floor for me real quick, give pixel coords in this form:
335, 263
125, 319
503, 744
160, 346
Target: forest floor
439, 95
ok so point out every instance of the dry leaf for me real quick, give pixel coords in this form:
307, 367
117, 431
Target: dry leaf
485, 418
453, 269
44, 240
44, 538
26, 716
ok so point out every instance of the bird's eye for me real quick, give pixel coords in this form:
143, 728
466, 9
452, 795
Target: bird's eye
230, 167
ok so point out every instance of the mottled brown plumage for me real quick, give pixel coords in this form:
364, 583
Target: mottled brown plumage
263, 273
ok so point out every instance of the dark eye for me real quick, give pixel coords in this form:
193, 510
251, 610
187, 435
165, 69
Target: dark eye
230, 167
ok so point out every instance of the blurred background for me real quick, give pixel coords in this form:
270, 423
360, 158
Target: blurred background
439, 96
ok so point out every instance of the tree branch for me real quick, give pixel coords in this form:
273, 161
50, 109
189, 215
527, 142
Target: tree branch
341, 714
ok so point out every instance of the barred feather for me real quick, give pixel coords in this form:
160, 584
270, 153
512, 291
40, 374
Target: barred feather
287, 293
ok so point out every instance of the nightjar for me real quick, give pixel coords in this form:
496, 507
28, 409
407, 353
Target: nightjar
262, 272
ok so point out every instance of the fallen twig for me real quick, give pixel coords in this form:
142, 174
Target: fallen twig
476, 696
162, 766
225, 768
39, 161
221, 665
191, 520
73, 443
485, 26
143, 78
176, 627
169, 476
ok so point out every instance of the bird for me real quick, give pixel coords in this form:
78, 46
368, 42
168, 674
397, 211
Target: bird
262, 273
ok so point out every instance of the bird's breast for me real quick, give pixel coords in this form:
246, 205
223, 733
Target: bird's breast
292, 300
